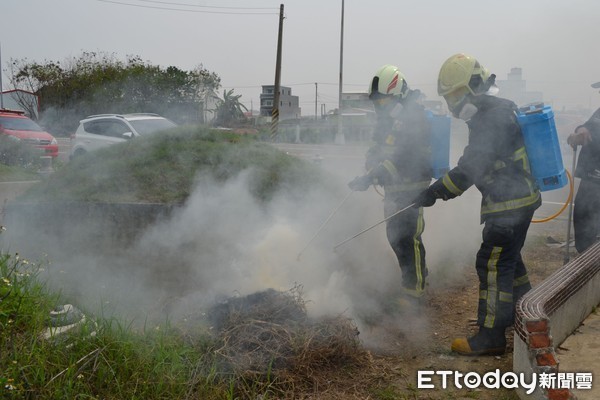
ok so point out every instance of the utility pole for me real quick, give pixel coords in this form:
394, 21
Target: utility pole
339, 136
275, 110
1, 87
316, 91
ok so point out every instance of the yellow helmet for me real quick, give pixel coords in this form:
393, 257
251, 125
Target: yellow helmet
387, 82
460, 76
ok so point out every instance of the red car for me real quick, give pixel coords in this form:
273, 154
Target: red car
16, 124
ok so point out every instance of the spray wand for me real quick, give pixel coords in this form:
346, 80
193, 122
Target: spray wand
373, 226
567, 254
324, 223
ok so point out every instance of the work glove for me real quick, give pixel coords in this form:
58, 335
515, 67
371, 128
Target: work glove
360, 183
581, 137
426, 198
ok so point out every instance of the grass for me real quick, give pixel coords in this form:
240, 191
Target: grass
164, 168
16, 174
105, 358
102, 359
108, 359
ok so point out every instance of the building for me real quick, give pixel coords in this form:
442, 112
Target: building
356, 102
515, 88
21, 100
289, 105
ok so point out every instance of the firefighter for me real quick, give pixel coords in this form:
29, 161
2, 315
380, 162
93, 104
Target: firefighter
495, 161
586, 214
399, 161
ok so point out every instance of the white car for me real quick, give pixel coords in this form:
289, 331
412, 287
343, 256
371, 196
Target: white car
102, 130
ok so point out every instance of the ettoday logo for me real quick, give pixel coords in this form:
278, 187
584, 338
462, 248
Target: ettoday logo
508, 380
472, 380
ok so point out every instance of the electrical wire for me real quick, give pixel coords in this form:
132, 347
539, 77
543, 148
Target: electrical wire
187, 10
200, 6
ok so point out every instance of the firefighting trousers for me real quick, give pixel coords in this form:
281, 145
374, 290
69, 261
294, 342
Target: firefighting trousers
404, 235
502, 274
586, 214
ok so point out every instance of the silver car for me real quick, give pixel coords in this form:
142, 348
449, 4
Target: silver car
102, 130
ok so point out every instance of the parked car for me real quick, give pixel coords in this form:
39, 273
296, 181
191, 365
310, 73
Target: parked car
15, 124
97, 131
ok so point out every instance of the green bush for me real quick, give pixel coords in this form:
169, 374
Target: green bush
14, 152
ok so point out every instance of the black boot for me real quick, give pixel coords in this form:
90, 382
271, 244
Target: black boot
488, 341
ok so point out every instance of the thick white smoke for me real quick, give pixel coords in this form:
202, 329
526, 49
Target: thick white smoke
223, 242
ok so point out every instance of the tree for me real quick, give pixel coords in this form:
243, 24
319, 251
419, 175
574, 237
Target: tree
96, 83
229, 110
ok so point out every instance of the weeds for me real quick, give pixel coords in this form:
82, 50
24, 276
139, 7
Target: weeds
106, 358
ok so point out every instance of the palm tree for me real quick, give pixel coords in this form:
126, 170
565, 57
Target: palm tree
229, 109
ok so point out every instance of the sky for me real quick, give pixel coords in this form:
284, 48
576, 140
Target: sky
551, 40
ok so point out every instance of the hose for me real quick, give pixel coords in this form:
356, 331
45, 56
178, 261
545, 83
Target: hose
571, 189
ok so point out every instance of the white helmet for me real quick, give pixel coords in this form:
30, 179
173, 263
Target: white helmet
387, 82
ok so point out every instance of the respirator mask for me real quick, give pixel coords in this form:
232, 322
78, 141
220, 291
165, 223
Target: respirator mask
468, 109
388, 106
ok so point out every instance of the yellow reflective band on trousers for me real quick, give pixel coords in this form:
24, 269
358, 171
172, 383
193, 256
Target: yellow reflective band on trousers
502, 296
492, 288
522, 280
418, 256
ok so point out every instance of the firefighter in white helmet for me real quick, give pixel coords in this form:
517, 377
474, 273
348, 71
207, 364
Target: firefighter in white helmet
400, 162
495, 161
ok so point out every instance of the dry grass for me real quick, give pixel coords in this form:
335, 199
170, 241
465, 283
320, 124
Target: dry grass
269, 344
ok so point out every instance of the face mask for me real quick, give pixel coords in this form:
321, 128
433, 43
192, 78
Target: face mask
467, 112
493, 90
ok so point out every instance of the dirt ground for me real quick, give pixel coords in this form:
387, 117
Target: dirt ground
393, 373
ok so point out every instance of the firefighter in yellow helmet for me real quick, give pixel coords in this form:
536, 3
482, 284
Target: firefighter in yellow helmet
495, 161
400, 162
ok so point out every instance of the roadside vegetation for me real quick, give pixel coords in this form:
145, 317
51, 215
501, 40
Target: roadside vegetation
270, 350
18, 161
164, 168
99, 82
110, 359
102, 359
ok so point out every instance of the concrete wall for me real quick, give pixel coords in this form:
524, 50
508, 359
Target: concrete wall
549, 313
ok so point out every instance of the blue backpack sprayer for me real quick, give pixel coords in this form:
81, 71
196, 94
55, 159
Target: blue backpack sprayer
545, 159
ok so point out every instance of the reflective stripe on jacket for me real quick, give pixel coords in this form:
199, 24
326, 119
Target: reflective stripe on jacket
495, 161
401, 162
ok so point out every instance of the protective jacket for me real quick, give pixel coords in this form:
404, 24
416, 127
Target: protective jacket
586, 214
494, 161
400, 160
588, 164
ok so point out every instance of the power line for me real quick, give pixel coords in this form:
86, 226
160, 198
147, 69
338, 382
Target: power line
200, 6
188, 10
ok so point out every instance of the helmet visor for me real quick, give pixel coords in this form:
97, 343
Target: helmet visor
456, 97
